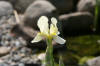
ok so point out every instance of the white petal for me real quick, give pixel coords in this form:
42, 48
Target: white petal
54, 21
43, 24
59, 40
37, 38
53, 26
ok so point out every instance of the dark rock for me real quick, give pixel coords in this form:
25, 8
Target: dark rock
76, 23
94, 62
75, 5
37, 9
63, 6
32, 65
21, 5
6, 9
86, 5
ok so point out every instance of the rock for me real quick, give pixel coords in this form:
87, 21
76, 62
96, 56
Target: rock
21, 64
21, 5
41, 56
76, 23
94, 62
75, 5
86, 5
6, 9
63, 5
4, 51
25, 60
16, 58
37, 9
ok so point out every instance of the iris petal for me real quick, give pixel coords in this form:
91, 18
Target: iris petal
59, 40
54, 21
37, 38
43, 24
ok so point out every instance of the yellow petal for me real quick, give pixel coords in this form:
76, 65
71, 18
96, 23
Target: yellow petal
59, 40
37, 38
43, 24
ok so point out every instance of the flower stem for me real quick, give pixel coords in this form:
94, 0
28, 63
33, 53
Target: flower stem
49, 53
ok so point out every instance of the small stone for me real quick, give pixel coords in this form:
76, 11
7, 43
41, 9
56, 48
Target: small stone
16, 58
94, 62
1, 61
4, 50
21, 64
25, 60
41, 56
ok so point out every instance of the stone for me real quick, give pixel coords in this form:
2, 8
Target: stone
63, 6
37, 9
94, 62
21, 5
86, 5
6, 9
76, 23
4, 51
21, 64
16, 58
41, 56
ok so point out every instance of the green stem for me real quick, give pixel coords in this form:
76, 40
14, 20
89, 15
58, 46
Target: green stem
61, 61
49, 53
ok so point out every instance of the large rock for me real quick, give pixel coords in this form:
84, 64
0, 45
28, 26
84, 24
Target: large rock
76, 23
6, 9
86, 5
63, 5
94, 62
37, 9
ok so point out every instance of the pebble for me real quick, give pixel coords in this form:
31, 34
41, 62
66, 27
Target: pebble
21, 64
4, 50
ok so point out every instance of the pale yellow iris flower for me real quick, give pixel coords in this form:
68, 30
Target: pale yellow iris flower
51, 33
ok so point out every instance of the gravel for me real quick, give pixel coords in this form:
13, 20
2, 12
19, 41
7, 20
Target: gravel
19, 54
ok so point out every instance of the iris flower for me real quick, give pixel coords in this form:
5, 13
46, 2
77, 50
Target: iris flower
46, 32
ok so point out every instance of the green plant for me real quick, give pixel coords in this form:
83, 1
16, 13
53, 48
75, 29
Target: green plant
49, 34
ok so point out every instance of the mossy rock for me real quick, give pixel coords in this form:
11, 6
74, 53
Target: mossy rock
87, 45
